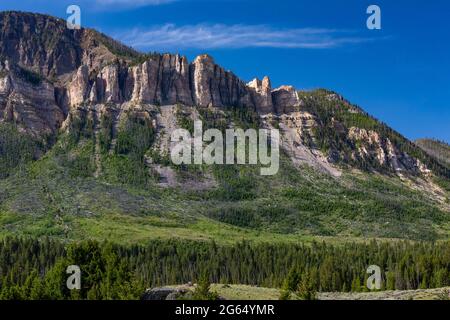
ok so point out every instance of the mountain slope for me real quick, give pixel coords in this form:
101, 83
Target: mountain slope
437, 149
45, 45
85, 150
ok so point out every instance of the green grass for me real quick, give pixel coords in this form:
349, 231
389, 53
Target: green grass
243, 292
299, 206
91, 208
246, 292
58, 196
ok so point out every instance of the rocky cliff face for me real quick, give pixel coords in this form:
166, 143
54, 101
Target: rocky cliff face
85, 67
40, 42
49, 75
169, 79
371, 145
45, 45
262, 95
162, 79
285, 99
29, 101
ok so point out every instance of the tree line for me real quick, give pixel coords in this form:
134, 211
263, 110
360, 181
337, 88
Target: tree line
36, 269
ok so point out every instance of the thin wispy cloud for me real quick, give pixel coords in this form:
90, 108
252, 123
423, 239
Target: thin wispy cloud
213, 36
131, 3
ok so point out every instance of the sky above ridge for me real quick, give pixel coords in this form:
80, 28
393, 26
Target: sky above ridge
399, 74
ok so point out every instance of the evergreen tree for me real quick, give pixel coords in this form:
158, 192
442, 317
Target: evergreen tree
203, 289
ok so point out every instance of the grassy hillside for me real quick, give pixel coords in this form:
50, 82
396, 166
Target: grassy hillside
59, 196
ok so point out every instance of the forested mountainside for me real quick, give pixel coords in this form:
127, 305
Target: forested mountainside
85, 126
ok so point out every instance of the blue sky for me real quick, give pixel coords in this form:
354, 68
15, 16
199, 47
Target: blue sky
400, 74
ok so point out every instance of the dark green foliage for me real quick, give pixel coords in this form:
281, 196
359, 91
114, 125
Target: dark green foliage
294, 200
444, 184
127, 164
212, 119
74, 150
143, 58
303, 285
104, 274
81, 127
243, 118
290, 284
125, 170
235, 183
30, 76
81, 163
236, 215
77, 152
305, 289
203, 289
184, 120
36, 269
135, 137
106, 132
115, 47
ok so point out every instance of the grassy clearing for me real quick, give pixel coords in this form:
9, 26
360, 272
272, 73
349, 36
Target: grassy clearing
245, 292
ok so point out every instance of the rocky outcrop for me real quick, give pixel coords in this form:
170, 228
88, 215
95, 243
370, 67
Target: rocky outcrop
163, 293
109, 79
45, 45
213, 86
371, 145
262, 95
162, 79
79, 86
285, 99
39, 42
170, 79
28, 101
88, 67
298, 141
175, 86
